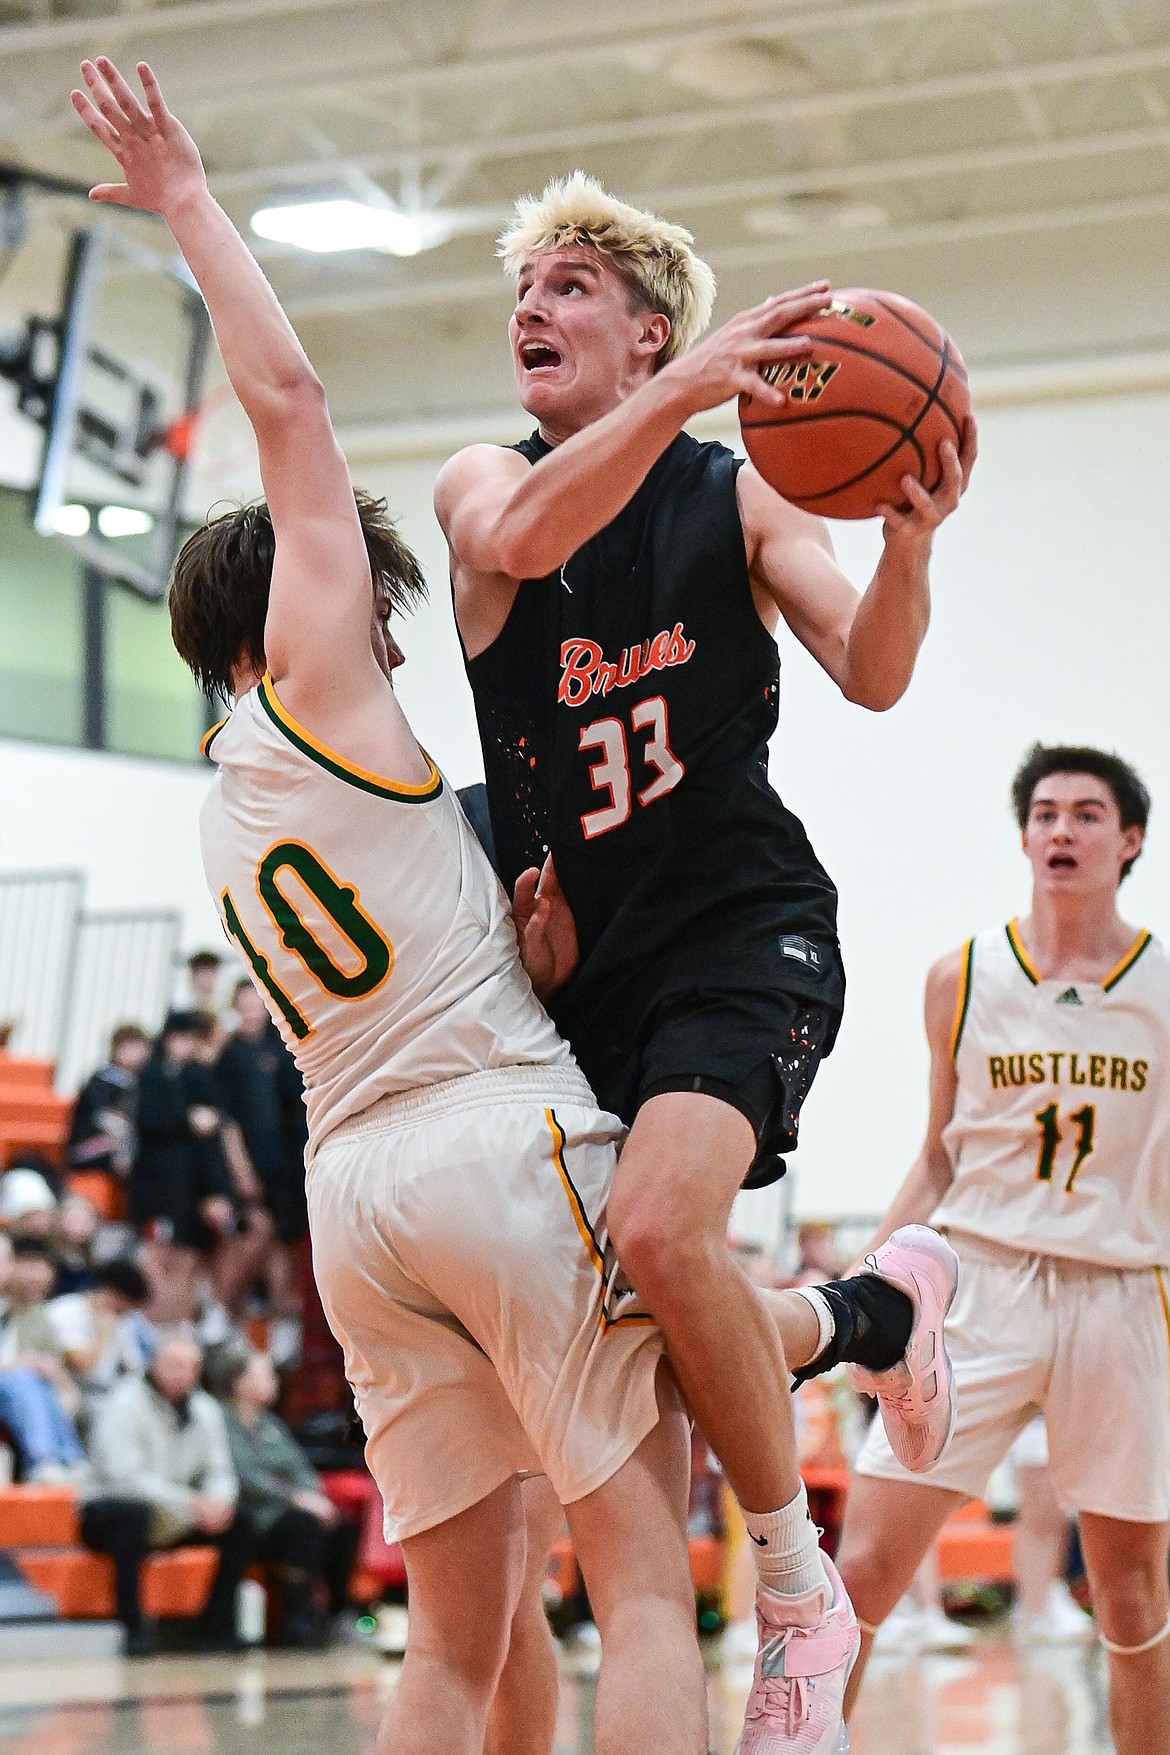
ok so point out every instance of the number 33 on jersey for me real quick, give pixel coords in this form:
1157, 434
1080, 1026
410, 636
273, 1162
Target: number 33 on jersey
1060, 1137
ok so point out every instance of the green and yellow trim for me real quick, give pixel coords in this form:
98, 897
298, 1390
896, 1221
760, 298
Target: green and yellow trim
580, 1216
1020, 953
1162, 1294
963, 1001
1126, 964
585, 1229
403, 791
209, 737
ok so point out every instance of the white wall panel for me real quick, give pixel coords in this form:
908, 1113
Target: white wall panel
1052, 620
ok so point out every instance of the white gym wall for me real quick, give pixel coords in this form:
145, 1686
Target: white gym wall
1051, 620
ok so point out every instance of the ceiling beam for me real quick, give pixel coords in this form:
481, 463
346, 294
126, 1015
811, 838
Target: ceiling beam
569, 141
970, 161
820, 244
870, 174
657, 27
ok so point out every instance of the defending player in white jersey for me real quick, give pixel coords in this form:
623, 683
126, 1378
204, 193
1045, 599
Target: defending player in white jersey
1047, 1159
459, 1165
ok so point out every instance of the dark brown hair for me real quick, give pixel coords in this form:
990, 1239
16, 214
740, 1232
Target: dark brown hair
218, 596
1128, 789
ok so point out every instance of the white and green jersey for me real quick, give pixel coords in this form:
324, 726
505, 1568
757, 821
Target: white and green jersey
369, 914
1060, 1138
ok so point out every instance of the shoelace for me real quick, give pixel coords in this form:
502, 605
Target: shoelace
787, 1693
773, 1693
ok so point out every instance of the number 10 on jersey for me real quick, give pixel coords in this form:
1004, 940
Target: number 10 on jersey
612, 773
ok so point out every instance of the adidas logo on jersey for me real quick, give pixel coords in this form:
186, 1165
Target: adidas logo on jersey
1070, 996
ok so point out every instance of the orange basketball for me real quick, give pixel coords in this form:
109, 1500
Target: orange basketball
883, 387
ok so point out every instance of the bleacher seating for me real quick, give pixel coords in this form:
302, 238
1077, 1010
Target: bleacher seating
970, 1546
39, 1527
33, 1116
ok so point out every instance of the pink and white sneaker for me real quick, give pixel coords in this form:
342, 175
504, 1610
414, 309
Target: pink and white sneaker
806, 1653
916, 1397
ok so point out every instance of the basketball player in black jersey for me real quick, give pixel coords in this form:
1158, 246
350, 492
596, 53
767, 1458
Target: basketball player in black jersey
616, 588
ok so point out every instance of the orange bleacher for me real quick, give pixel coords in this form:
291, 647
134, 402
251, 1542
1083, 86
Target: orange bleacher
39, 1528
33, 1117
971, 1546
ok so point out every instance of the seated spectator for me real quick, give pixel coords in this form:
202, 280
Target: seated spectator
37, 1396
202, 991
102, 1132
163, 1478
101, 1332
297, 1527
73, 1239
28, 1204
179, 1190
262, 1098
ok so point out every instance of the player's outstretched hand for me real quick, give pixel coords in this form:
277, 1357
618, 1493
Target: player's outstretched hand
728, 363
924, 512
545, 929
159, 159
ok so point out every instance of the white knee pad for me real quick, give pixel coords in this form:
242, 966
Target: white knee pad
1134, 1650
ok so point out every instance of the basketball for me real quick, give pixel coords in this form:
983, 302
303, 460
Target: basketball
884, 386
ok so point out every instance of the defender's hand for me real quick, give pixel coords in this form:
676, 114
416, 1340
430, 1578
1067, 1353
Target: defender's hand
545, 928
925, 512
728, 363
159, 159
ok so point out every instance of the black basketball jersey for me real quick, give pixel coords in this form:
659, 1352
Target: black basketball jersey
625, 710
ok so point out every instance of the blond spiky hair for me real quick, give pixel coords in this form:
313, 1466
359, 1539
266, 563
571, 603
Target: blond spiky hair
655, 258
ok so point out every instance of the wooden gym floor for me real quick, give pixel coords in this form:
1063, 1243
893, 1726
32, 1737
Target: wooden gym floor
990, 1703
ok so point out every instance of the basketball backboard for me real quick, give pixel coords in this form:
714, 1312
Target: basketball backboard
130, 347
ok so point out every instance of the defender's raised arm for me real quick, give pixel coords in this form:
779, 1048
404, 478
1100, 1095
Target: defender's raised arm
318, 624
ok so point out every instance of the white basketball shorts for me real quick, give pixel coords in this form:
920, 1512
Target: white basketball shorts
460, 1250
1086, 1346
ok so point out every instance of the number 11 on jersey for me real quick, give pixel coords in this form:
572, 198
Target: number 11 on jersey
1048, 1121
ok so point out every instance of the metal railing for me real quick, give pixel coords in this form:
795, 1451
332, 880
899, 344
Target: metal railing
122, 973
39, 917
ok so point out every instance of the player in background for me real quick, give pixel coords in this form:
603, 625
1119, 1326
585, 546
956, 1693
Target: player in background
1047, 1160
617, 587
457, 1163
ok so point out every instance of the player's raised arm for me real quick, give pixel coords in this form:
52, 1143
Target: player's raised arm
932, 1172
318, 625
867, 642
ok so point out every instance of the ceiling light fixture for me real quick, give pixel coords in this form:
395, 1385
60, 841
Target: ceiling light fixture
115, 521
328, 226
70, 520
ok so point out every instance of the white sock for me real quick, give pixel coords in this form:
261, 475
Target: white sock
788, 1556
826, 1323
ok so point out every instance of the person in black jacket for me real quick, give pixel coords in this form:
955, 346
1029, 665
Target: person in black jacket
260, 1093
179, 1188
101, 1133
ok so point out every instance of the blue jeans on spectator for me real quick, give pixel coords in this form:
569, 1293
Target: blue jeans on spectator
32, 1412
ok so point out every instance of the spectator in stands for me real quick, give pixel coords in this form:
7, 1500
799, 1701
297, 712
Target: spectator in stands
102, 1132
261, 1093
179, 1190
102, 1334
37, 1396
202, 990
27, 1203
163, 1478
298, 1528
73, 1240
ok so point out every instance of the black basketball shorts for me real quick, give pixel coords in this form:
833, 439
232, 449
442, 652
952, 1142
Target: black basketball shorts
758, 1051
753, 1039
